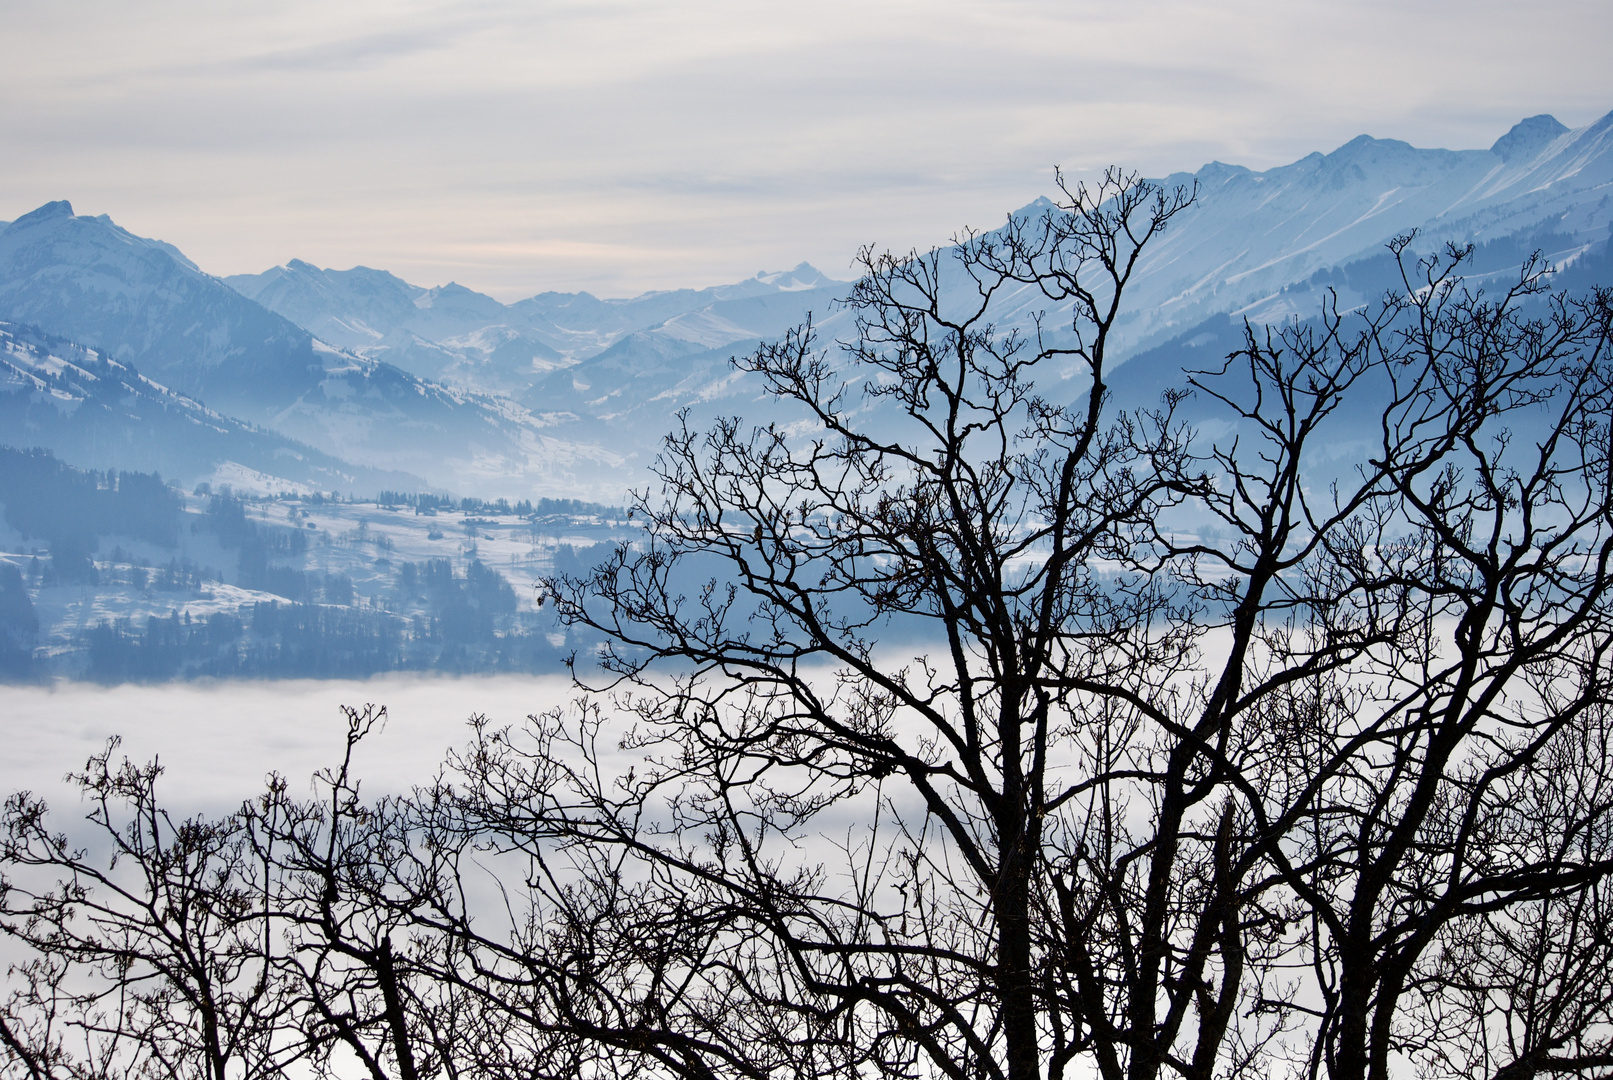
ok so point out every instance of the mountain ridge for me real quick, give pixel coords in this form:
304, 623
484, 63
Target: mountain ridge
572, 392
142, 303
94, 411
1330, 209
460, 336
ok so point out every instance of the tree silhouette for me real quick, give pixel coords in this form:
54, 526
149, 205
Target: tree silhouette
968, 727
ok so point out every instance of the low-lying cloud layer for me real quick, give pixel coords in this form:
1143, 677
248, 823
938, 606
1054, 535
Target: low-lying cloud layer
217, 743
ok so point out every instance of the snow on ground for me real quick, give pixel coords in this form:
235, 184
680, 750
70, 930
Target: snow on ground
364, 541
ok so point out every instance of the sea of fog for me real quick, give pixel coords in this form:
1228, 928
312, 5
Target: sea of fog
218, 741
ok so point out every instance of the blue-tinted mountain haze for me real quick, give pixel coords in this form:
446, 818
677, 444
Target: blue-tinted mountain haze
460, 336
1251, 234
1257, 245
143, 303
95, 412
389, 384
568, 394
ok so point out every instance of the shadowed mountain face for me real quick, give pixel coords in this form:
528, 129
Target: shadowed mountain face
1196, 360
99, 413
143, 302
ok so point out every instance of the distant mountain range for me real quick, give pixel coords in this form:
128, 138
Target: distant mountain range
565, 394
456, 335
143, 303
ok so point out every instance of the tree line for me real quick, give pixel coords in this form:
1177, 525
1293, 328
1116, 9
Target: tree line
48, 499
961, 731
468, 624
453, 621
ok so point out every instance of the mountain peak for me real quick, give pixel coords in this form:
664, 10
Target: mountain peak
803, 276
1365, 148
61, 208
1528, 137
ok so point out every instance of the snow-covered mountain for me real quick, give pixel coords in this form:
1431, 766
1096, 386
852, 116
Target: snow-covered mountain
594, 372
465, 338
1253, 234
1265, 245
447, 334
98, 413
143, 303
567, 394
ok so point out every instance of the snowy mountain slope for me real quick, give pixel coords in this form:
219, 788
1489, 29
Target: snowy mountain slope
1350, 436
593, 372
567, 394
637, 383
1257, 244
448, 334
466, 442
1251, 233
585, 325
143, 303
94, 412
347, 308
1268, 246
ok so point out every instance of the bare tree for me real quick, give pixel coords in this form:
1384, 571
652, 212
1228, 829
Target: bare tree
236, 946
1522, 989
956, 731
1462, 588
346, 882
147, 950
1146, 794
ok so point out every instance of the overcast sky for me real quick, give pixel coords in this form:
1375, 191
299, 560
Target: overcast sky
623, 146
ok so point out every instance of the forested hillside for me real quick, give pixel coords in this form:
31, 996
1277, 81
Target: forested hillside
118, 576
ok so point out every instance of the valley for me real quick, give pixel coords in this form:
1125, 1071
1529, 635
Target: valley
296, 584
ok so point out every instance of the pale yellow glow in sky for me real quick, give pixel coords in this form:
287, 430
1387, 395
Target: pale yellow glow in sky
617, 147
